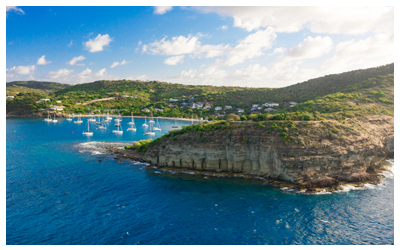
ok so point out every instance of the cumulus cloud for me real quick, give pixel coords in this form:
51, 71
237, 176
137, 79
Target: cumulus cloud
115, 64
14, 9
335, 20
160, 10
97, 44
309, 48
22, 70
42, 61
59, 73
177, 46
76, 59
174, 60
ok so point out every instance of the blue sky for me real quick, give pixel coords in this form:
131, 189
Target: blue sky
231, 46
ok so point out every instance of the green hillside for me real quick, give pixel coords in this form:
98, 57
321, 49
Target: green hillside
53, 86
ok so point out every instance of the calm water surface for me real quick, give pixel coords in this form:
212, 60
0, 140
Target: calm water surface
59, 195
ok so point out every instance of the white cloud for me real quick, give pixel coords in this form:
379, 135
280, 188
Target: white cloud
309, 48
160, 10
97, 44
70, 44
115, 64
22, 70
250, 47
334, 20
14, 9
174, 60
370, 52
42, 61
177, 46
76, 59
59, 73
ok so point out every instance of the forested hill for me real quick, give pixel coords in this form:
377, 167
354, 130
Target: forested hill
156, 91
54, 86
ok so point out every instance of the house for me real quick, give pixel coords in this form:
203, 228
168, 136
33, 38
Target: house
240, 110
228, 107
292, 104
272, 104
44, 100
159, 110
191, 99
173, 100
10, 97
183, 99
146, 110
58, 101
184, 104
255, 106
125, 96
207, 106
199, 105
218, 108
56, 108
269, 110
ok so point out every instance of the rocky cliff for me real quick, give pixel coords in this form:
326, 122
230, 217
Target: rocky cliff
308, 154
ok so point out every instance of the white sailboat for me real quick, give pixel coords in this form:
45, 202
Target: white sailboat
79, 119
175, 126
98, 122
88, 133
54, 120
145, 124
48, 119
132, 122
92, 119
103, 125
150, 132
118, 119
157, 127
118, 131
69, 118
117, 124
151, 119
108, 116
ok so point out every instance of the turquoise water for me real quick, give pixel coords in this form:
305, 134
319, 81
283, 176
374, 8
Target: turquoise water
57, 194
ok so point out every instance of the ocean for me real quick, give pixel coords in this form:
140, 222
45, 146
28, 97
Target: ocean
62, 190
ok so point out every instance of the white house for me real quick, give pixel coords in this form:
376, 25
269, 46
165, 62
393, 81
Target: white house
125, 96
58, 101
159, 110
271, 104
10, 97
269, 110
173, 100
56, 108
240, 111
218, 108
146, 110
44, 100
255, 106
228, 107
207, 106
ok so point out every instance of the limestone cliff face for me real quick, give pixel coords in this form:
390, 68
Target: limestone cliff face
252, 150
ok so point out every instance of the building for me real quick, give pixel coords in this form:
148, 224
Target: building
58, 101
228, 107
191, 99
173, 100
240, 110
10, 97
56, 108
218, 108
292, 104
272, 104
125, 96
146, 110
159, 110
255, 106
44, 100
269, 110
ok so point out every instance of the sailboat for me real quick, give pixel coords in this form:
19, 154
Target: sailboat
150, 132
175, 126
54, 120
79, 119
103, 125
118, 119
132, 128
132, 122
117, 124
108, 116
88, 133
98, 122
151, 119
118, 131
157, 127
145, 124
92, 119
69, 118
48, 119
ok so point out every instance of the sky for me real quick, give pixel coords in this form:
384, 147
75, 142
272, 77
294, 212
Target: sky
220, 46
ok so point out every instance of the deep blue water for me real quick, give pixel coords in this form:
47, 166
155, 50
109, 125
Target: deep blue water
58, 195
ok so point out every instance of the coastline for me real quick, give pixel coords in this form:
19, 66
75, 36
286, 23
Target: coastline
117, 150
